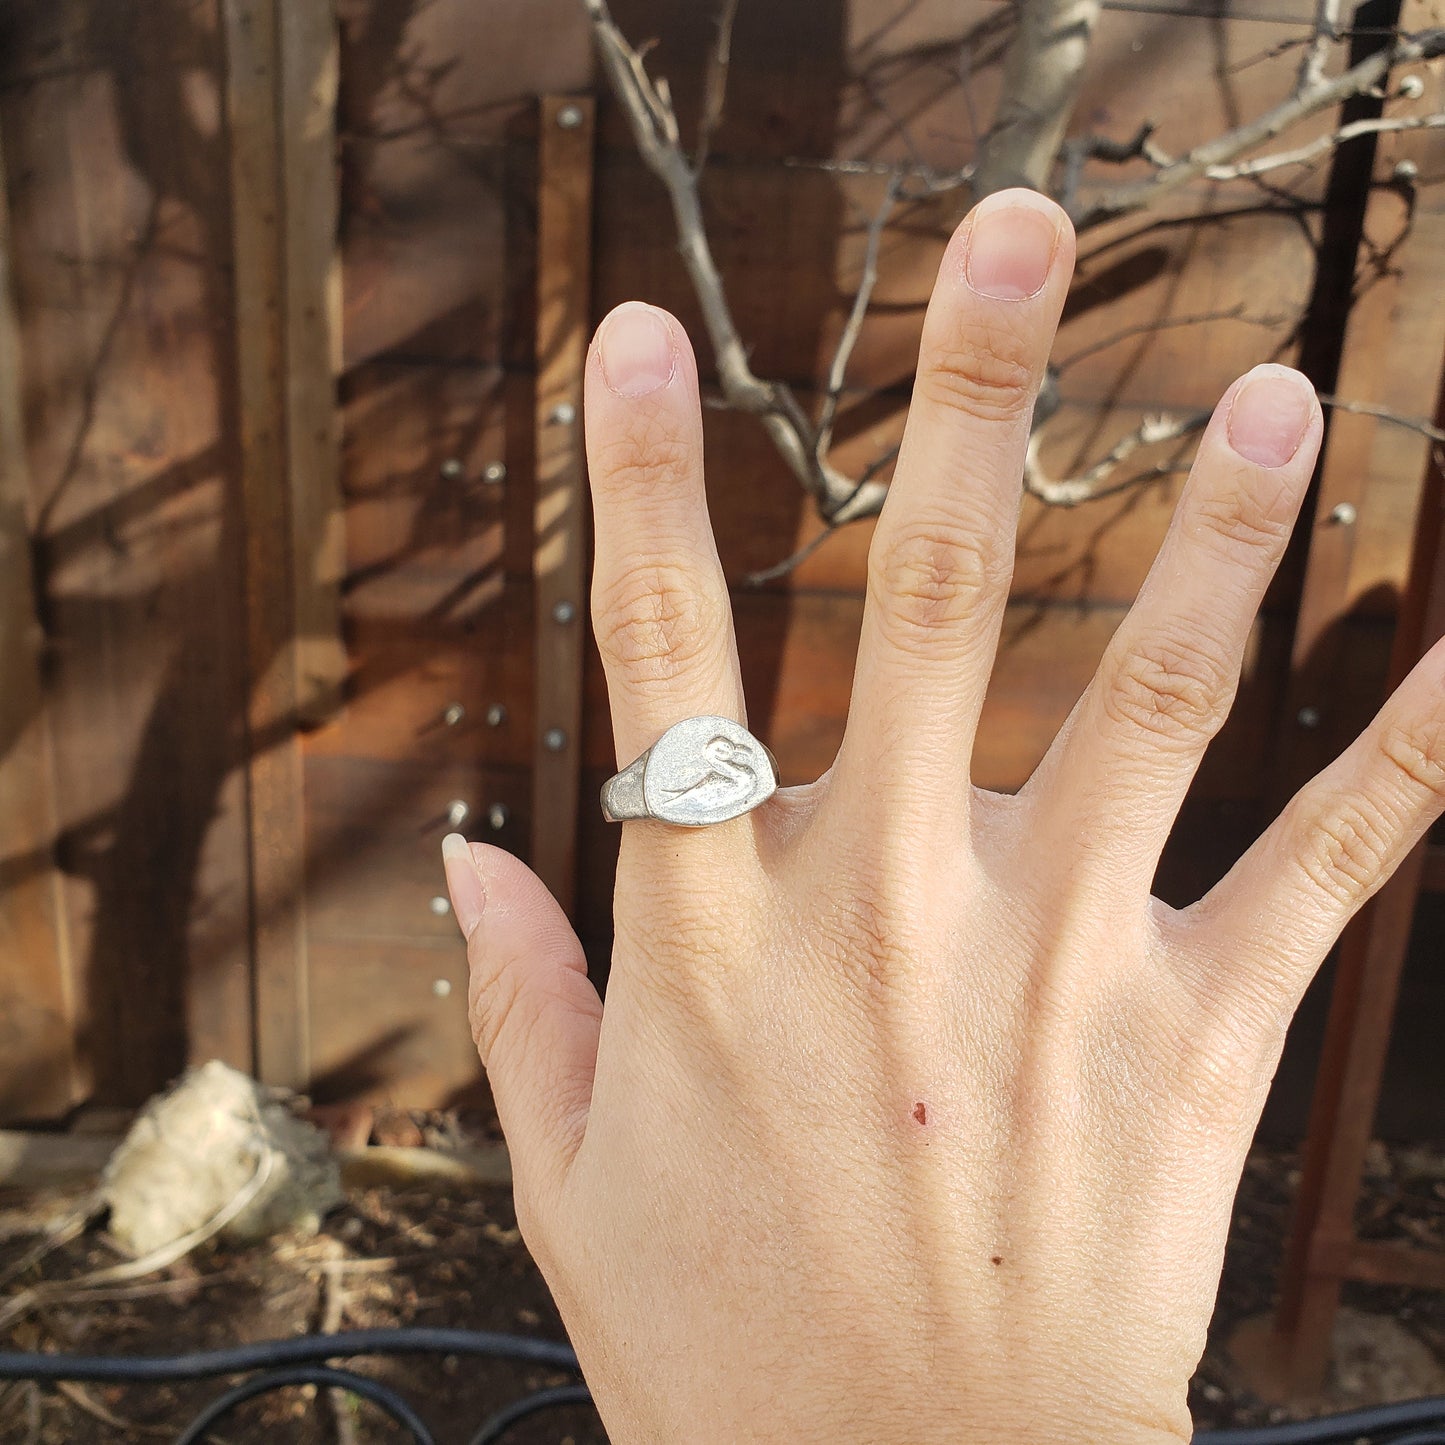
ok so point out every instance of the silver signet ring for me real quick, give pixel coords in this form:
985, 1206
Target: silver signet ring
702, 770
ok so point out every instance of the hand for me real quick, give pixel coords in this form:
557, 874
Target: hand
911, 1115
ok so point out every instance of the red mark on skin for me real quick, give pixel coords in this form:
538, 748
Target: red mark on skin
920, 1112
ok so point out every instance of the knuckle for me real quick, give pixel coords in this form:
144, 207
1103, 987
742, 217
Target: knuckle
1245, 520
1417, 752
655, 621
1171, 690
639, 461
492, 1008
931, 577
1350, 848
987, 372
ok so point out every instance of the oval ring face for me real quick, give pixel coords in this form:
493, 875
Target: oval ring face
706, 770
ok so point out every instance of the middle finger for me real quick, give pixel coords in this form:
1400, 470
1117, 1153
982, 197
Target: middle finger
942, 556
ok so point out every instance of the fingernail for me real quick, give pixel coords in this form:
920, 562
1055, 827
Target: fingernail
1269, 416
1011, 248
464, 882
636, 351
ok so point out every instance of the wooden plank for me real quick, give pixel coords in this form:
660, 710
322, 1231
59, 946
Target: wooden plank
37, 986
122, 242
1393, 1264
564, 250
1367, 981
253, 78
416, 1051
374, 831
1371, 472
311, 264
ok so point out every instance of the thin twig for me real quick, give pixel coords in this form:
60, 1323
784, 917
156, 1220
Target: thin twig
333, 1311
837, 373
1324, 145
1214, 157
28, 1299
1091, 484
1169, 323
71, 1227
1365, 408
781, 569
84, 1400
715, 83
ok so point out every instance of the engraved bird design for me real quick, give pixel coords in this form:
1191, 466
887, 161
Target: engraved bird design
729, 766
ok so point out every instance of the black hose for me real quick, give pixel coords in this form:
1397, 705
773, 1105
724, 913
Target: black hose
494, 1428
382, 1396
269, 1354
1412, 1422
1377, 1423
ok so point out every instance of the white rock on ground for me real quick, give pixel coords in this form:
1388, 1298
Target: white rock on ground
195, 1148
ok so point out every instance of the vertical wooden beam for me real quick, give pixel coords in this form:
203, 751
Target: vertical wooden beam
309, 62
254, 83
38, 1020
1370, 502
564, 257
1371, 471
1357, 1034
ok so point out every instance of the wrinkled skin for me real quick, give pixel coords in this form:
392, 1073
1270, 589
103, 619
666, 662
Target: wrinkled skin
911, 1115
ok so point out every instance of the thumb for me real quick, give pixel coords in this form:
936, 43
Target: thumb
535, 1015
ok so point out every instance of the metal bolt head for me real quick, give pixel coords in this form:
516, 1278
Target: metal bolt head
563, 612
442, 987
451, 469
1406, 171
441, 906
564, 414
497, 816
554, 740
1344, 514
569, 117
457, 812
496, 715
1308, 717
454, 714
494, 473
1412, 87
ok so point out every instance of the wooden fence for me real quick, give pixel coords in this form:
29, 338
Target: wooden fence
285, 459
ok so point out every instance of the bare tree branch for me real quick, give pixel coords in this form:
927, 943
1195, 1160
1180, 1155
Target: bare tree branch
650, 114
780, 569
1043, 65
1042, 70
1214, 156
1323, 145
1327, 33
795, 559
715, 85
1090, 485
837, 373
1169, 323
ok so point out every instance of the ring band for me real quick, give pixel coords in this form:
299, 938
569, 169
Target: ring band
702, 770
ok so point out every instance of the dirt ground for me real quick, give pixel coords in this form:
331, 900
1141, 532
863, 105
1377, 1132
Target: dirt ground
392, 1257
